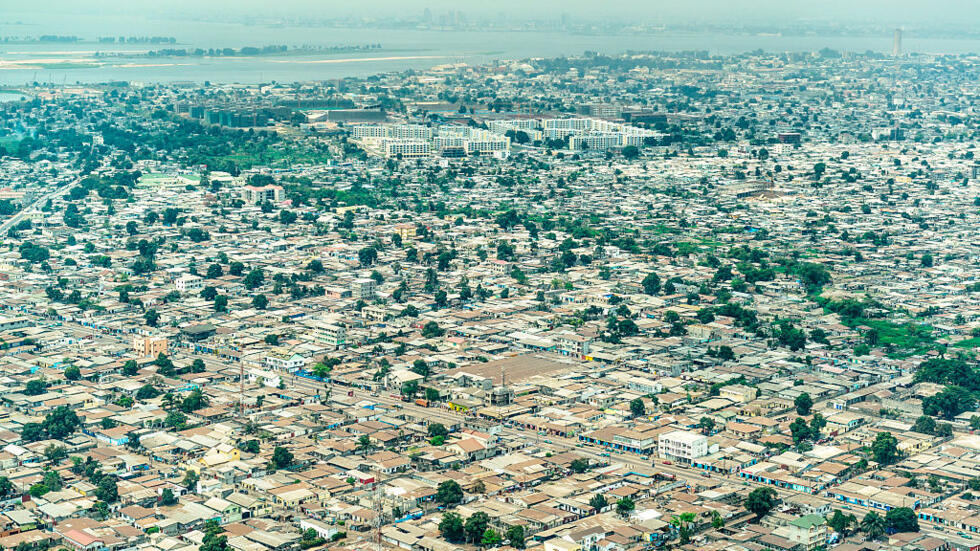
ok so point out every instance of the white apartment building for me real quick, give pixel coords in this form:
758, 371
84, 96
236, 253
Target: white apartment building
595, 140
264, 377
364, 288
329, 334
257, 194
405, 148
188, 283
681, 445
281, 360
393, 131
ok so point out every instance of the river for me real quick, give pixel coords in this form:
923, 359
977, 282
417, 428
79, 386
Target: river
22, 63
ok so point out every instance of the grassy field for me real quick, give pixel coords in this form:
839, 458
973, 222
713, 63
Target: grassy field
901, 339
969, 343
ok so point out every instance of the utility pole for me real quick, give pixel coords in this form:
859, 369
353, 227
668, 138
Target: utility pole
378, 511
241, 387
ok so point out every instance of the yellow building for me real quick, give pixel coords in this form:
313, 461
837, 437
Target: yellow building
219, 455
149, 346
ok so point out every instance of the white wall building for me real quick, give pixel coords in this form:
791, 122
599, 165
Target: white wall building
681, 445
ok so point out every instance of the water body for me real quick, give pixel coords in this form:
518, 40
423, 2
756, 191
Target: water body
11, 96
401, 49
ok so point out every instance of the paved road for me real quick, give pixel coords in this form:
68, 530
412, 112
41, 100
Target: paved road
15, 219
602, 455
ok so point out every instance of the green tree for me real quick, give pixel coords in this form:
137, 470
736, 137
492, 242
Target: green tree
683, 524
449, 492
885, 448
761, 501
6, 487
707, 424
367, 256
651, 284
803, 404
841, 523
194, 401
437, 429
409, 389
254, 279
107, 490
175, 420
579, 465
717, 522
451, 528
364, 443
152, 317
130, 368
52, 480
598, 502
190, 481
214, 543
950, 402
515, 535
147, 392
637, 407
260, 302
800, 430
73, 373
60, 423
902, 519
625, 506
490, 538
476, 525
925, 425
315, 266
873, 525
165, 366
282, 458
321, 370
431, 330
790, 337
35, 387
420, 367
54, 452
32, 432
167, 498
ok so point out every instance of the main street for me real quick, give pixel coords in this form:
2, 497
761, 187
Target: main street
16, 218
692, 477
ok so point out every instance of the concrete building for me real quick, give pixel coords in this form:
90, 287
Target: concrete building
149, 346
681, 445
364, 288
259, 194
809, 531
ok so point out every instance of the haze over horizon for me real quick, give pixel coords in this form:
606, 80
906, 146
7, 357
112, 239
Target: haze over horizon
951, 13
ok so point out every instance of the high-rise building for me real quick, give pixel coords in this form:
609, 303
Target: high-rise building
897, 43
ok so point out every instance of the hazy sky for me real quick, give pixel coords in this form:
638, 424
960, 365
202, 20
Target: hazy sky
956, 13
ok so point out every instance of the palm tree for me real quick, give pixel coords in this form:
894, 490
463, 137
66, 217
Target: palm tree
873, 525
682, 522
169, 401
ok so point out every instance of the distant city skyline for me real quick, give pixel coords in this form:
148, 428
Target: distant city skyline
958, 13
